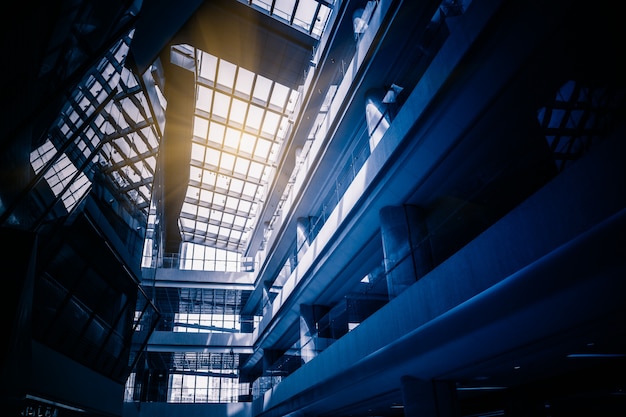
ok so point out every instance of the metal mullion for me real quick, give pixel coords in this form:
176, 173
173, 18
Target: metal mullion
124, 177
254, 79
219, 242
133, 128
230, 108
79, 171
214, 169
293, 12
127, 161
215, 82
269, 97
131, 94
264, 135
97, 132
315, 15
65, 145
75, 106
136, 185
131, 123
251, 158
245, 119
134, 167
91, 62
147, 125
211, 222
234, 195
128, 91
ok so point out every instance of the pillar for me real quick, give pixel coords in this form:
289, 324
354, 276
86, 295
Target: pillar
312, 340
406, 246
302, 233
376, 116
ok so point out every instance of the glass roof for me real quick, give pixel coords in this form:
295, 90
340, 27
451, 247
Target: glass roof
105, 126
310, 16
239, 126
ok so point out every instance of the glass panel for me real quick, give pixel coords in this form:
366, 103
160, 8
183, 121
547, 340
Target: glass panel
241, 166
197, 152
203, 101
238, 112
247, 143
208, 66
231, 140
279, 96
262, 148
231, 126
305, 13
213, 157
262, 88
255, 116
244, 82
270, 123
321, 20
221, 105
216, 133
284, 8
226, 74
227, 162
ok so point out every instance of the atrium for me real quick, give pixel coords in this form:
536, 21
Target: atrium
313, 208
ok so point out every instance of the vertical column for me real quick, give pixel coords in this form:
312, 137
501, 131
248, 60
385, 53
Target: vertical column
376, 116
265, 299
311, 341
302, 233
426, 398
406, 246
305, 233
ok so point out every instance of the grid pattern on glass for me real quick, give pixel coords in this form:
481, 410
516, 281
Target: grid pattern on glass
203, 377
198, 388
205, 301
223, 363
309, 16
205, 258
239, 126
204, 310
105, 126
576, 118
130, 155
63, 177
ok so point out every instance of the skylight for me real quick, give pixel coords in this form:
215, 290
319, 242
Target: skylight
106, 124
239, 126
309, 16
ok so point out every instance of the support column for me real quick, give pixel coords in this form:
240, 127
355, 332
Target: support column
406, 246
302, 233
426, 398
311, 341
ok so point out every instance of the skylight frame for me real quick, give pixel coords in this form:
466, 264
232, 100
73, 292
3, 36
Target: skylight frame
105, 126
238, 131
308, 16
